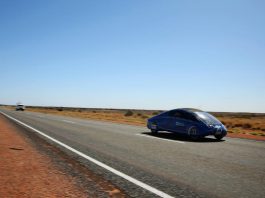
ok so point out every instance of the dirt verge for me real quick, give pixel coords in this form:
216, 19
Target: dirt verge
31, 167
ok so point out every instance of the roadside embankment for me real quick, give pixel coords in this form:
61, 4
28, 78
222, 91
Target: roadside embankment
37, 169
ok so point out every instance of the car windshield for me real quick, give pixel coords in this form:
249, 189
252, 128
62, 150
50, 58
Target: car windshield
207, 118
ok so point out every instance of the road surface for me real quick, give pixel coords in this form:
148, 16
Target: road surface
172, 165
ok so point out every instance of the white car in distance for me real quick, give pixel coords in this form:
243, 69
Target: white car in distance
20, 107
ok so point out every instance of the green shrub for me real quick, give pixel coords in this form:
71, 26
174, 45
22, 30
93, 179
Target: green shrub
247, 126
128, 113
60, 109
238, 125
144, 116
155, 113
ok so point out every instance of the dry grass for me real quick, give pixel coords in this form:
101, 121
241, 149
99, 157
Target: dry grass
254, 125
117, 116
236, 123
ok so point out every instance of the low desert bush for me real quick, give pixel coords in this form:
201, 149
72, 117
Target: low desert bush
155, 113
144, 116
128, 113
247, 126
238, 125
60, 109
256, 128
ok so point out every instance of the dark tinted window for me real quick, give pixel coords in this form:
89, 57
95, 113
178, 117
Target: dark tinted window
176, 114
182, 115
189, 116
173, 113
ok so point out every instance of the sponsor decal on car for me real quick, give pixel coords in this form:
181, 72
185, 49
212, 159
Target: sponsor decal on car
179, 124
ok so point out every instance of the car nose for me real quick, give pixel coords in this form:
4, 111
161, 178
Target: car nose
217, 128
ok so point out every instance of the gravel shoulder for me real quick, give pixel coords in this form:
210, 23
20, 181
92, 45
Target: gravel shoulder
30, 167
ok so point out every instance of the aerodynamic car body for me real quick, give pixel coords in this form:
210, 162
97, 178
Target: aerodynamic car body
192, 122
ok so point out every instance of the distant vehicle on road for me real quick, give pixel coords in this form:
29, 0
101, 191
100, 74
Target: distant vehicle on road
20, 107
193, 122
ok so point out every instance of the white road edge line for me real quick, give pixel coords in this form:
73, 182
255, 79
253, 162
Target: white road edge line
68, 121
116, 172
148, 136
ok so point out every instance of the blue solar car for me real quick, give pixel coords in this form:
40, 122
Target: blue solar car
192, 122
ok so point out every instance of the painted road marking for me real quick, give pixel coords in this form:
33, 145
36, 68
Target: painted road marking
158, 138
114, 171
68, 121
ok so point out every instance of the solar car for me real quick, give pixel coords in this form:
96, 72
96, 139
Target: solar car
192, 122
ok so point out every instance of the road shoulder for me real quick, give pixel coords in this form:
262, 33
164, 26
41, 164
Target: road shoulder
30, 167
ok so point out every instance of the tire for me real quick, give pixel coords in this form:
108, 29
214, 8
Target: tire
193, 133
154, 131
219, 137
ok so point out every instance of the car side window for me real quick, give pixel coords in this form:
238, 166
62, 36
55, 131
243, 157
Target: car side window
172, 113
182, 115
175, 114
178, 114
190, 117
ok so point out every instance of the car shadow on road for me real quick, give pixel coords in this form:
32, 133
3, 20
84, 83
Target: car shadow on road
180, 137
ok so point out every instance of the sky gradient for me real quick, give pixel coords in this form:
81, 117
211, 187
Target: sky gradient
134, 54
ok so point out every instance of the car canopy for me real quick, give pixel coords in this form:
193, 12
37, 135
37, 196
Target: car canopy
207, 118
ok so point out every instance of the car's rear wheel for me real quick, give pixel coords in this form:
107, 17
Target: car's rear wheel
219, 137
154, 131
193, 133
154, 128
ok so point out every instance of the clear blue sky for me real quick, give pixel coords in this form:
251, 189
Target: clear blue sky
134, 54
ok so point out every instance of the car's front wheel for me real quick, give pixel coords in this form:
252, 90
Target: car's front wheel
219, 137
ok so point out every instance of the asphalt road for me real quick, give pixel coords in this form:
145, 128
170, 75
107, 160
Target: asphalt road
174, 165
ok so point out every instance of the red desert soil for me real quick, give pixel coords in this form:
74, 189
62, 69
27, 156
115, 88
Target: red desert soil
246, 136
26, 172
